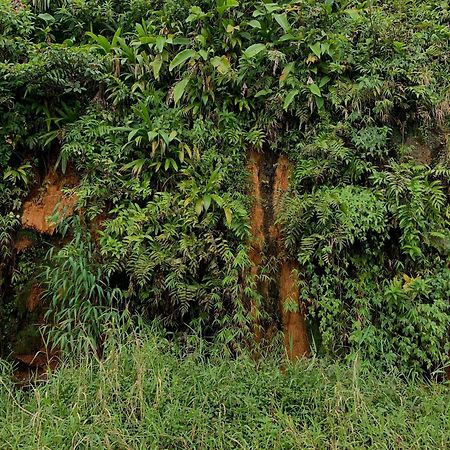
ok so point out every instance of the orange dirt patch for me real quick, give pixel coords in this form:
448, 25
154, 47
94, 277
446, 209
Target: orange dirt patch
267, 191
35, 366
48, 200
294, 326
34, 298
22, 243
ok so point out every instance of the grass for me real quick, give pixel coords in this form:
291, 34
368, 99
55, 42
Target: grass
147, 394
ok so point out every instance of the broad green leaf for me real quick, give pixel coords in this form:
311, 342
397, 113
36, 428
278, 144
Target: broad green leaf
316, 49
179, 88
101, 41
46, 17
289, 98
223, 5
254, 49
206, 202
319, 102
255, 24
182, 57
282, 21
323, 81
203, 54
315, 89
151, 135
159, 42
353, 13
271, 7
180, 41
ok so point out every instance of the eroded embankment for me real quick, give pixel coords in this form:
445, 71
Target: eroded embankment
274, 272
46, 205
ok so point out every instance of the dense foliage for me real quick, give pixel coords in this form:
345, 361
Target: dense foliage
155, 106
148, 394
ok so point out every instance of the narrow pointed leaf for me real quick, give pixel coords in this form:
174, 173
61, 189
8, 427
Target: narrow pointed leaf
289, 98
179, 88
182, 57
254, 49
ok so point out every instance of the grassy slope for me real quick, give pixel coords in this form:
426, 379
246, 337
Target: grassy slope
147, 395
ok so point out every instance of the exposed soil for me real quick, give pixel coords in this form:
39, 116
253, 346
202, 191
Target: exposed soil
23, 243
49, 199
269, 182
292, 311
34, 298
35, 367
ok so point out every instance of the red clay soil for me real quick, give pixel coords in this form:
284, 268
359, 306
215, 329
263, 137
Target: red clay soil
48, 199
295, 333
33, 367
266, 236
22, 243
294, 326
34, 298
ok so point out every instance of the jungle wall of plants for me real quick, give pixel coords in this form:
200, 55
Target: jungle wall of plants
155, 104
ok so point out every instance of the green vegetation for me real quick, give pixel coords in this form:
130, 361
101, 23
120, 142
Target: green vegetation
129, 125
148, 393
151, 109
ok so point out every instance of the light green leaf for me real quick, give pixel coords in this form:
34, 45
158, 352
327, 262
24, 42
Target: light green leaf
282, 21
179, 88
159, 42
156, 66
254, 49
271, 7
199, 206
46, 17
101, 41
221, 64
255, 24
203, 54
151, 135
316, 49
228, 215
182, 57
289, 98
353, 13
263, 92
223, 5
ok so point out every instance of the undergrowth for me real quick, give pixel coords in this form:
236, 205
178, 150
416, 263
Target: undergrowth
151, 393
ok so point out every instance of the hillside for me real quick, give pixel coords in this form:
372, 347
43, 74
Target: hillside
262, 172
